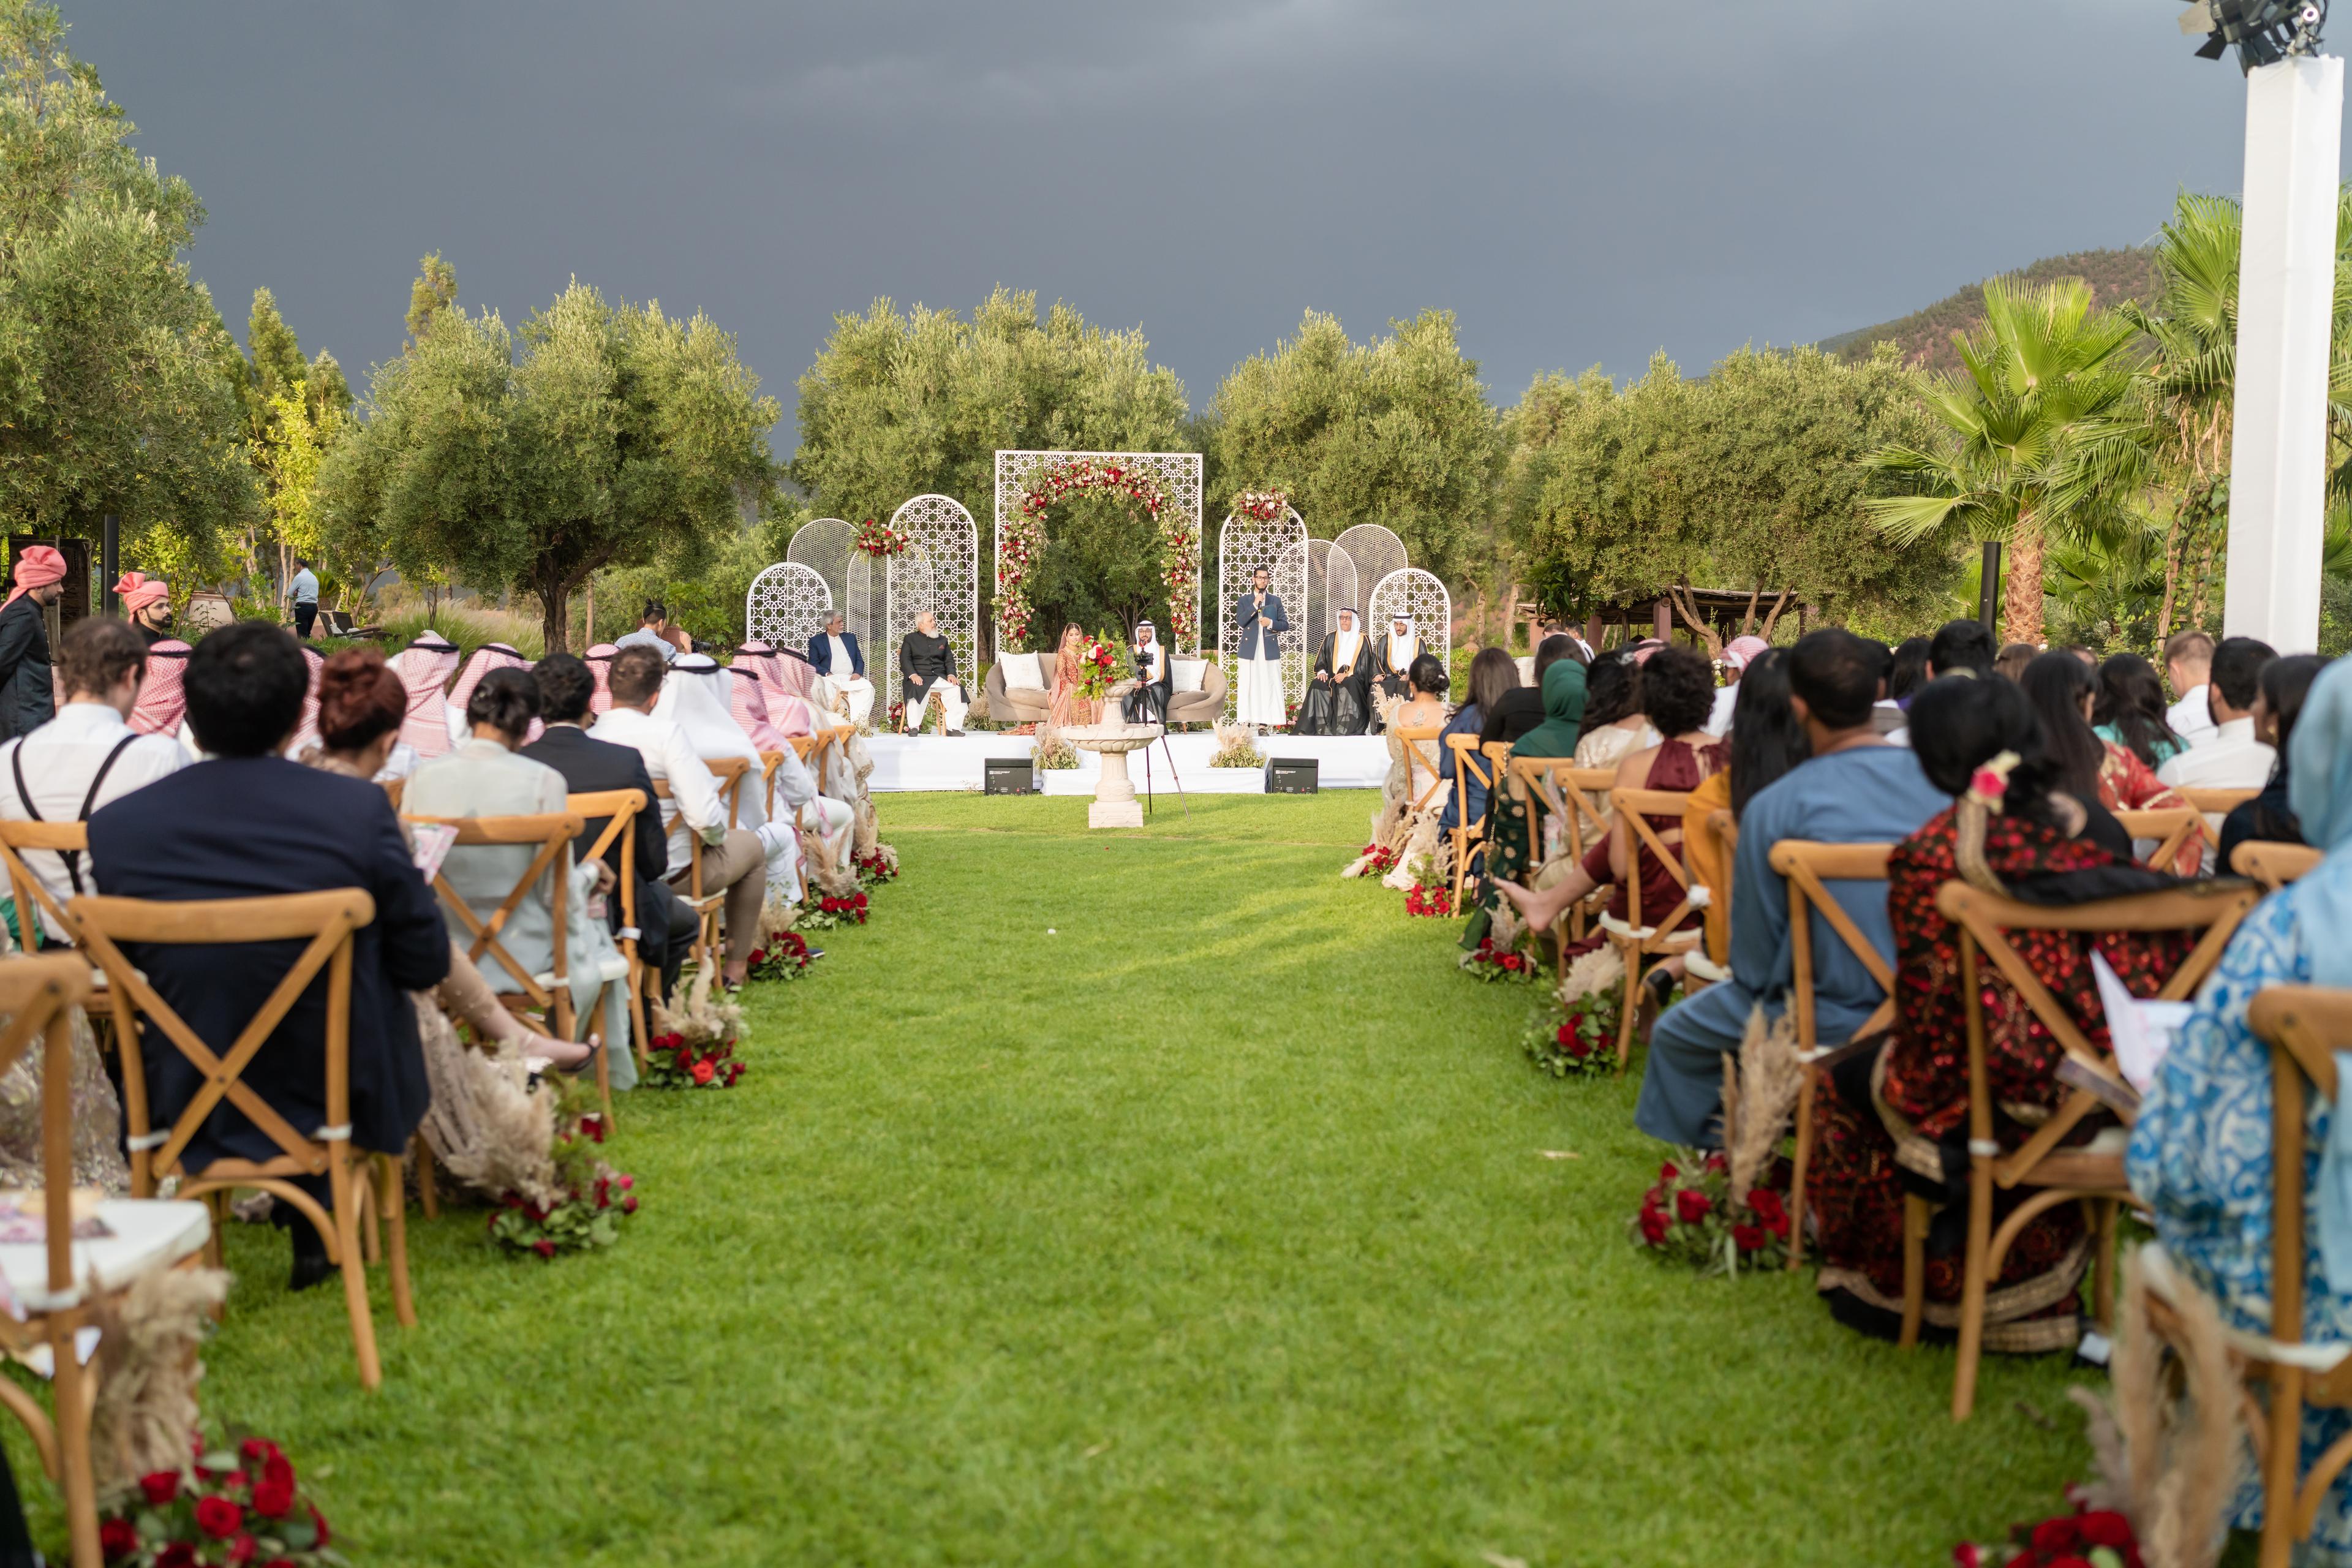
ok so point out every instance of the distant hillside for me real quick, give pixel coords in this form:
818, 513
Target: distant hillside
1926, 336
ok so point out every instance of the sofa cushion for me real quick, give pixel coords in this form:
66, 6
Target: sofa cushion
1021, 672
1187, 673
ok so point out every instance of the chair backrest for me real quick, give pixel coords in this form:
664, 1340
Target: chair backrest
36, 995
1808, 866
2273, 865
1574, 794
1633, 808
728, 773
1410, 738
620, 808
33, 901
1468, 765
2171, 827
2215, 804
1985, 922
554, 832
327, 918
2304, 1026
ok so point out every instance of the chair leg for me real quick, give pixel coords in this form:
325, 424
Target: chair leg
1973, 1286
2280, 1457
72, 1399
1797, 1175
1915, 1216
1625, 1014
345, 1212
641, 1037
371, 1225
404, 1306
2103, 1276
424, 1184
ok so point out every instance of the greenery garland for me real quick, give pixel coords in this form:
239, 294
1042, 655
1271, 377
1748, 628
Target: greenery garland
1025, 541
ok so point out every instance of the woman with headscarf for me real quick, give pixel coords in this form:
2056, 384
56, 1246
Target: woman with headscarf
1339, 700
1392, 661
147, 600
1067, 707
1147, 703
424, 667
599, 660
2201, 1154
1897, 1121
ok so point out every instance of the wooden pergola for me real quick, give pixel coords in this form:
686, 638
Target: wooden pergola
1722, 610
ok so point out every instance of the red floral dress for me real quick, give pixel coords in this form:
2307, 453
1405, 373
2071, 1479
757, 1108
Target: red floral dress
2127, 783
1679, 765
1913, 1134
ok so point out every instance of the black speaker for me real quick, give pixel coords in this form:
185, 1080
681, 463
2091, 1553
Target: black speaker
1290, 775
1008, 775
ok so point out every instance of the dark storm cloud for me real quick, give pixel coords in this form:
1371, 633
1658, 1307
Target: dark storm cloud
1579, 182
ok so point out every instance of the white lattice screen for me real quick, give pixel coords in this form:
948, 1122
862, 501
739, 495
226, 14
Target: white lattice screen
1244, 544
938, 571
1178, 474
788, 604
1420, 595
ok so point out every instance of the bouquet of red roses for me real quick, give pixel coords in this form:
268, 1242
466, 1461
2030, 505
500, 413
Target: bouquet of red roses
228, 1507
783, 955
1436, 902
1262, 506
1575, 1041
590, 1199
1692, 1216
1098, 668
2087, 1537
681, 1063
1379, 860
1491, 964
827, 910
880, 540
876, 869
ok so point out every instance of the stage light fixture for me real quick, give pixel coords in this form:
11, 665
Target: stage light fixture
2262, 31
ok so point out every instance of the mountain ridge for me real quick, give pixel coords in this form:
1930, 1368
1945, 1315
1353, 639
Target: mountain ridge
1924, 336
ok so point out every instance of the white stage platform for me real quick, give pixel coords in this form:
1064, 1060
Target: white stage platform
944, 761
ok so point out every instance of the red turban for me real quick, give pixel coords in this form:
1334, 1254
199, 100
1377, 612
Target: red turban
138, 591
36, 568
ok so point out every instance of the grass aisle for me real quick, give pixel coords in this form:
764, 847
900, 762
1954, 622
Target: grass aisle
1214, 1229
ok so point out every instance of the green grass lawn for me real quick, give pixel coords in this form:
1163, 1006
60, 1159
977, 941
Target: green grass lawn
1216, 1228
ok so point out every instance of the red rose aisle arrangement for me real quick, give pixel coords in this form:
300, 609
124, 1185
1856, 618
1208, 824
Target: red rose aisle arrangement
1489, 963
579, 1205
1575, 1040
823, 911
694, 1046
227, 1508
781, 955
1432, 903
1690, 1216
876, 867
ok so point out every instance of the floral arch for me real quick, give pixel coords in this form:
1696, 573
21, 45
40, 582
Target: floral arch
1167, 485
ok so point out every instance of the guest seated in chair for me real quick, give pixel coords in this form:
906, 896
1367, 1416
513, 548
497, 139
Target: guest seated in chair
926, 668
1493, 676
840, 667
2201, 1153
1897, 1120
486, 777
246, 824
1339, 694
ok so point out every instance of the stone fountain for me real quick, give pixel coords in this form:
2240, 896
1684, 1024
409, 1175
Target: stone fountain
1115, 805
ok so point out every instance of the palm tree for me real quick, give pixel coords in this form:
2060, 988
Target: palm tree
2044, 439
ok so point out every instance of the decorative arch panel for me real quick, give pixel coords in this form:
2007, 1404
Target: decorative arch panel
788, 604
1244, 544
937, 571
1421, 595
1177, 475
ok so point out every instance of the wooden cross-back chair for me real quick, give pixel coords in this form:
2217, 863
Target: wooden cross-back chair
1808, 868
2304, 1026
33, 900
1576, 795
1633, 941
2052, 1171
1698, 965
2213, 805
1415, 764
63, 1285
326, 920
1471, 761
729, 774
547, 993
2172, 828
621, 807
2275, 864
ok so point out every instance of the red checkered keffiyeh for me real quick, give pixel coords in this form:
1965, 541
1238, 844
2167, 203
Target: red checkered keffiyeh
599, 660
423, 667
749, 706
162, 699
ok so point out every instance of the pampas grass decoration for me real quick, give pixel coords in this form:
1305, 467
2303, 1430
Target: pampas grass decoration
1771, 1076
145, 1418
1236, 747
1596, 970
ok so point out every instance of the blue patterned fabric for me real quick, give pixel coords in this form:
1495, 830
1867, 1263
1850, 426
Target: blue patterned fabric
2200, 1158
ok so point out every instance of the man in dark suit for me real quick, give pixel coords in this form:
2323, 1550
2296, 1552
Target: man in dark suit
250, 823
589, 766
835, 654
27, 698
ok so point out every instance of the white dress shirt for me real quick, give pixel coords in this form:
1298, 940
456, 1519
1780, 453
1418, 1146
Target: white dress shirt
645, 636
1718, 719
845, 669
2231, 758
694, 794
2191, 718
60, 759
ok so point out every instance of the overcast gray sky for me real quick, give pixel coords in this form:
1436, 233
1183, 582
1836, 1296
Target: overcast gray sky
1581, 181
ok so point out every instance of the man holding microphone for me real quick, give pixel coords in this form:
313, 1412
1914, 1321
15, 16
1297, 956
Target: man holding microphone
1258, 699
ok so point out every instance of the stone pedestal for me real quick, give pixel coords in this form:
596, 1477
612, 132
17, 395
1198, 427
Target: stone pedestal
1115, 804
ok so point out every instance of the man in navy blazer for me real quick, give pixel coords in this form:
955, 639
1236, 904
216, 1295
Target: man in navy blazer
1258, 695
838, 662
250, 824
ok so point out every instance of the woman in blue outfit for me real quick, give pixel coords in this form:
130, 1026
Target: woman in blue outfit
2201, 1154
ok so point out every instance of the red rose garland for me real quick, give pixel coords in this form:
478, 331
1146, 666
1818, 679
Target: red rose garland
240, 1507
1024, 539
880, 540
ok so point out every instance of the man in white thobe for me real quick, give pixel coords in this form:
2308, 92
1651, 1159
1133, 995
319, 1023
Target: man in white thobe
1258, 696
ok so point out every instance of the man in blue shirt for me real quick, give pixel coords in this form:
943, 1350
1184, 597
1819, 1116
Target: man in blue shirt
304, 591
1854, 789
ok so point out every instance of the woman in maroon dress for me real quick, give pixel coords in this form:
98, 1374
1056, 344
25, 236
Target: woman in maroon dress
1896, 1120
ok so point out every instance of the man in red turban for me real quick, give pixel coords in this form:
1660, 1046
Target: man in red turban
28, 697
147, 600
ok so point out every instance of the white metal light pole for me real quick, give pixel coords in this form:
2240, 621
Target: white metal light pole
2286, 282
